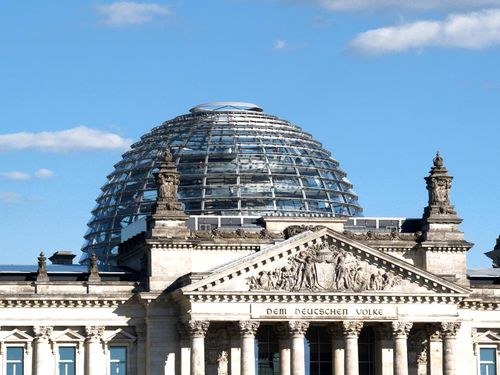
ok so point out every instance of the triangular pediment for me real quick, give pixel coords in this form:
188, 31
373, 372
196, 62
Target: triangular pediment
119, 335
488, 337
68, 335
322, 262
17, 335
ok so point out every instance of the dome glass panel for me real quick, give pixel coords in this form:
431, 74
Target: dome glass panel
234, 160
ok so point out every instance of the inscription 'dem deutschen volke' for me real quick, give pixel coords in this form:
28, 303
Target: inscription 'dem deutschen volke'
323, 311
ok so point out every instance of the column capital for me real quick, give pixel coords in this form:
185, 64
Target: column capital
248, 327
351, 328
297, 328
94, 333
401, 329
450, 329
43, 333
197, 328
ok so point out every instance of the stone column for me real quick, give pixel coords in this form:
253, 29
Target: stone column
284, 348
338, 351
351, 330
44, 359
435, 351
297, 331
449, 331
94, 356
248, 329
197, 330
400, 331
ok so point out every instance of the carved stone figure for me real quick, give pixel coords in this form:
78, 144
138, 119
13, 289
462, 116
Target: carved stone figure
293, 230
324, 267
167, 182
222, 361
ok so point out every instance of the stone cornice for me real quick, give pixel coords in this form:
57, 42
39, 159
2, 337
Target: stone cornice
267, 297
66, 302
480, 304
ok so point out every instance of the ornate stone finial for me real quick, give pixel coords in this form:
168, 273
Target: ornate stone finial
438, 186
42, 268
450, 329
438, 161
197, 328
93, 269
298, 328
167, 183
351, 328
401, 329
248, 327
43, 333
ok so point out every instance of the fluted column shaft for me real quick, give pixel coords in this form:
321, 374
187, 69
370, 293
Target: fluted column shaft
297, 331
248, 329
400, 331
197, 331
43, 355
449, 331
94, 357
351, 330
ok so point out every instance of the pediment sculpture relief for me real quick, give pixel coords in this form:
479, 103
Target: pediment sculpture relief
324, 267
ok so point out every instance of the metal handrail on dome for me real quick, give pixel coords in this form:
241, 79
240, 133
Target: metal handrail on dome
225, 106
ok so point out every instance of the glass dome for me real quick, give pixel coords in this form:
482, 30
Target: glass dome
233, 160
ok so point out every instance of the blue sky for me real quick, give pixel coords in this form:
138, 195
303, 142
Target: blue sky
383, 84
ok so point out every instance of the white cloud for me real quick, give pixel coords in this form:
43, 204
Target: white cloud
125, 13
279, 44
9, 197
476, 30
15, 175
80, 138
44, 173
356, 5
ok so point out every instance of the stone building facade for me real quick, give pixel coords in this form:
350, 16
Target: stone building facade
299, 295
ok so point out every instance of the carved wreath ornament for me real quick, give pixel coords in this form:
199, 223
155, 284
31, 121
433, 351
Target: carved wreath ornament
324, 267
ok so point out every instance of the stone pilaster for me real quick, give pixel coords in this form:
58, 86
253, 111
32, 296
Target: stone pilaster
384, 347
248, 329
449, 331
141, 332
400, 331
435, 351
338, 351
44, 360
197, 330
94, 357
351, 330
297, 331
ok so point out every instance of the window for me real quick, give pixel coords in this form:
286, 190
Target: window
487, 361
66, 360
15, 360
118, 360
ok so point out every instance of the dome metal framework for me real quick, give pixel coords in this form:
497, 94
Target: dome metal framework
233, 160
